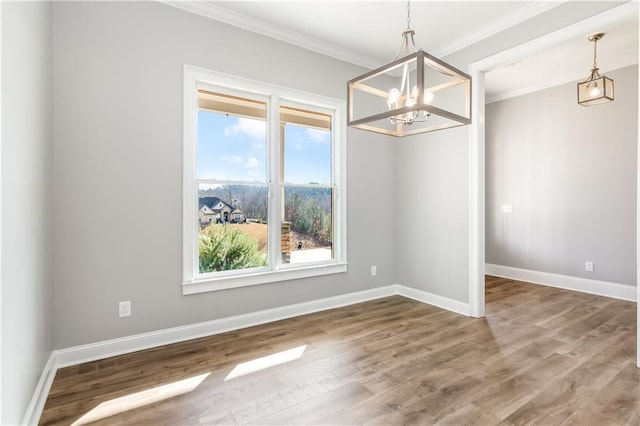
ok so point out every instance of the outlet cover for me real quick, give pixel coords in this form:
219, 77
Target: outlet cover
125, 309
588, 266
374, 271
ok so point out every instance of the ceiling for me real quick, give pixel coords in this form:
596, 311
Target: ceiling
368, 33
617, 49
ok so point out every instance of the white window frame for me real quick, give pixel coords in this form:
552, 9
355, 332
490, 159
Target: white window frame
192, 282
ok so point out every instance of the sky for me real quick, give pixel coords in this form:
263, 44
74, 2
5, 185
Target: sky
233, 148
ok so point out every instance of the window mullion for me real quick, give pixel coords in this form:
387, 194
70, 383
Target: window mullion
273, 170
338, 179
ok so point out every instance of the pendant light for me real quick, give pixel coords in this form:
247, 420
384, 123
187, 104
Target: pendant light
596, 89
415, 93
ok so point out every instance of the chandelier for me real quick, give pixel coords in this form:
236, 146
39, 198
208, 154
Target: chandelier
596, 89
415, 93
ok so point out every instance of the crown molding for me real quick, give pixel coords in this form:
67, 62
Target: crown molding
628, 10
248, 23
553, 83
227, 16
517, 17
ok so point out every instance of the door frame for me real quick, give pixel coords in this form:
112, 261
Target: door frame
477, 71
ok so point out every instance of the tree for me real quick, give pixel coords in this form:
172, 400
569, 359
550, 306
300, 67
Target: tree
304, 209
224, 248
252, 199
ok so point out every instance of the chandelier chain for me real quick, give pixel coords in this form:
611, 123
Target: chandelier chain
595, 53
408, 14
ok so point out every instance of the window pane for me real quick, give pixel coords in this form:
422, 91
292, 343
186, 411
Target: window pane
233, 227
307, 227
307, 146
231, 138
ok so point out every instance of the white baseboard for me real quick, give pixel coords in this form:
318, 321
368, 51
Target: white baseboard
79, 354
435, 300
36, 405
100, 350
584, 285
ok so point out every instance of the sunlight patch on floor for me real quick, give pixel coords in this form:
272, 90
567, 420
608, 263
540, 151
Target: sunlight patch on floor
265, 362
140, 399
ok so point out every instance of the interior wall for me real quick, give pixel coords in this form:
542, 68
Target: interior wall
444, 196
570, 174
432, 197
118, 76
26, 202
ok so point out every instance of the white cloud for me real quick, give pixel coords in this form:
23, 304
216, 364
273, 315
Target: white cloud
252, 163
247, 126
298, 147
232, 158
318, 135
260, 146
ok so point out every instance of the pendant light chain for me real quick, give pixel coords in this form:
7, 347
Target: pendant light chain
595, 53
407, 35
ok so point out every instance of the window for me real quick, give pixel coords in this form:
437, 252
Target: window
264, 192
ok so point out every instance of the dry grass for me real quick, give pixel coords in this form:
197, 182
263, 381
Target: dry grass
258, 232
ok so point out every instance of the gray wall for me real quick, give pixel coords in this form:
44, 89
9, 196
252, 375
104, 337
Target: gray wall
433, 177
26, 202
432, 251
118, 76
570, 174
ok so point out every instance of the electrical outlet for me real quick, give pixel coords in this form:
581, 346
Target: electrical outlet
374, 271
588, 266
125, 309
506, 208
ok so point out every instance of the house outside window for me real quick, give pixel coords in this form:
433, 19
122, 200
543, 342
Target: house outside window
264, 183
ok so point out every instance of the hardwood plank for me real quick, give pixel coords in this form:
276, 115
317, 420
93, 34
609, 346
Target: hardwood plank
557, 401
540, 356
617, 403
468, 414
317, 407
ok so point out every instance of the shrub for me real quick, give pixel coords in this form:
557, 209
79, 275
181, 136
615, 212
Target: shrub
223, 248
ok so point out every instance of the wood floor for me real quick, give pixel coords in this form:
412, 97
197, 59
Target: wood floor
540, 356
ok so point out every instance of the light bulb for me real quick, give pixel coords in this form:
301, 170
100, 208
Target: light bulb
428, 97
594, 91
392, 98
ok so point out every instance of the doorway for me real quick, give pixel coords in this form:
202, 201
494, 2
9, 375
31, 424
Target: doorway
477, 71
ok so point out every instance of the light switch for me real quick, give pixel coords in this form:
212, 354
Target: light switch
505, 208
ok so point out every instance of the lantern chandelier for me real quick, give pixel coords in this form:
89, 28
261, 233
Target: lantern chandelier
415, 93
596, 89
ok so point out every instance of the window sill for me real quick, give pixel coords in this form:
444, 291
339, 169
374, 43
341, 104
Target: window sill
224, 283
